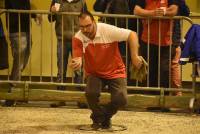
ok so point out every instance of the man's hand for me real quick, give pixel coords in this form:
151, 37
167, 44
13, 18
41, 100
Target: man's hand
137, 62
38, 19
76, 63
160, 11
53, 8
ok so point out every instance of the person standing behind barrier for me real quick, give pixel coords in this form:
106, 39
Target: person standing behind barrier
154, 8
65, 27
115, 7
134, 24
183, 10
19, 35
98, 43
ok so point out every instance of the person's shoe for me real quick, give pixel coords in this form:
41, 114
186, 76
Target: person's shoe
106, 124
165, 110
153, 109
58, 104
96, 125
82, 105
9, 103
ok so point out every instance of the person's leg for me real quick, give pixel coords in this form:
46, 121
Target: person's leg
153, 66
62, 59
17, 52
15, 73
118, 99
26, 41
92, 93
20, 51
78, 74
150, 54
176, 71
164, 67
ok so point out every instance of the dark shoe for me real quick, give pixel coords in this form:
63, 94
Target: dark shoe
82, 105
153, 109
96, 126
165, 110
106, 124
58, 104
9, 103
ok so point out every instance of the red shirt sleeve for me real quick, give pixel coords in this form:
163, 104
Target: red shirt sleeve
77, 47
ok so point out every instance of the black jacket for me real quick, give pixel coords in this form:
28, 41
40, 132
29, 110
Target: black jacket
113, 7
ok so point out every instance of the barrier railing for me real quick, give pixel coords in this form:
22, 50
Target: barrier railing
38, 86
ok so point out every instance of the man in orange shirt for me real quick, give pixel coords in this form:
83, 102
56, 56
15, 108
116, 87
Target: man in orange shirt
98, 43
156, 38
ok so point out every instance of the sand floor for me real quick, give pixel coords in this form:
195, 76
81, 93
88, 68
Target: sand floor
67, 120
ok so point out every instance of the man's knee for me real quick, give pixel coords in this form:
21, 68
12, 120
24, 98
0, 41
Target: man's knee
91, 95
120, 99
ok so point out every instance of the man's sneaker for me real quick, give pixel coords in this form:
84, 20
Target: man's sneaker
153, 109
82, 105
106, 124
58, 104
96, 126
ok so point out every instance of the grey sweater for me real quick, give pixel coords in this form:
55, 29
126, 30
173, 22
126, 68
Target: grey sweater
69, 23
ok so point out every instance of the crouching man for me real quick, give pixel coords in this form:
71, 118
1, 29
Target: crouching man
98, 43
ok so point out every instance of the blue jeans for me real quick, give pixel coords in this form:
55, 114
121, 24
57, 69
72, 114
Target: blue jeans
63, 51
20, 51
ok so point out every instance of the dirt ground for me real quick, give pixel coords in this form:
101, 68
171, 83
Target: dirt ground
68, 120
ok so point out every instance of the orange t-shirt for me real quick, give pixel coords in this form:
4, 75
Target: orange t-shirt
164, 26
101, 55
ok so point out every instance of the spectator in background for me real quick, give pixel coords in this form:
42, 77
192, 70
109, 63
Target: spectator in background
156, 8
117, 7
114, 7
18, 26
132, 24
69, 23
98, 43
183, 10
135, 25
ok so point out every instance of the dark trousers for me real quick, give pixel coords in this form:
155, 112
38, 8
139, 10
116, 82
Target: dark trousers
154, 71
63, 51
117, 88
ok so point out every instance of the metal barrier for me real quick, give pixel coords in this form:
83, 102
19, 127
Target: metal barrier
39, 87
